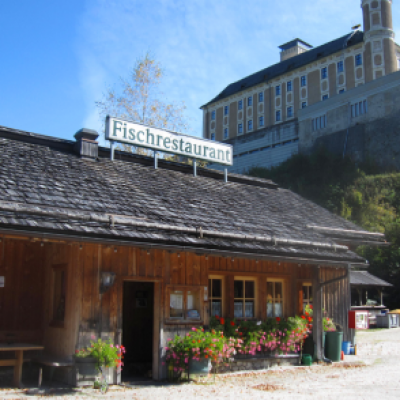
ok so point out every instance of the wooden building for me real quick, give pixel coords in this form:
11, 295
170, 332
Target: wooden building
178, 247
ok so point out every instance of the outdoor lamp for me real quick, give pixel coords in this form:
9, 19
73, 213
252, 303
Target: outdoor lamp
106, 281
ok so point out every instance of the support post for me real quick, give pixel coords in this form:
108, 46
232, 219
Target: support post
226, 175
317, 315
112, 151
194, 167
155, 160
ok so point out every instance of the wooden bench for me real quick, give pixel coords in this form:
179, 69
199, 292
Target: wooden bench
53, 362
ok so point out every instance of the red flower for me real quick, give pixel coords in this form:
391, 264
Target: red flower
216, 316
327, 319
232, 323
278, 319
222, 321
306, 314
303, 317
310, 306
309, 319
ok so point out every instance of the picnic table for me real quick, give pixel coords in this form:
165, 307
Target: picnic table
17, 362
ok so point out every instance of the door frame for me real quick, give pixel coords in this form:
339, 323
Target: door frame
157, 318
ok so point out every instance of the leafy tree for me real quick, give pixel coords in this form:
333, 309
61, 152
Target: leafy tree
139, 98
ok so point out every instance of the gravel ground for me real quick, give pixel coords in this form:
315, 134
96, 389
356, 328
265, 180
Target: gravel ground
374, 372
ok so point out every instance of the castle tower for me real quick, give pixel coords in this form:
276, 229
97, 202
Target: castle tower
380, 54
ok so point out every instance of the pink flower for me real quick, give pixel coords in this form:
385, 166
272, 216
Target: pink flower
93, 337
111, 345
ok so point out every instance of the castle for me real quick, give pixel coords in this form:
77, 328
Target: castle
343, 95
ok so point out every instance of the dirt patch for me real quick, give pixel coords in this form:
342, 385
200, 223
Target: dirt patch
269, 387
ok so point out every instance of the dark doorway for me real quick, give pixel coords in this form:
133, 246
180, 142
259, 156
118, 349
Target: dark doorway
137, 335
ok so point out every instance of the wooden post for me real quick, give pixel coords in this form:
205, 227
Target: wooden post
19, 356
347, 334
317, 314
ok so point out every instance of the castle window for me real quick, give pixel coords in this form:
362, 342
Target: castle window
240, 104
278, 90
261, 121
226, 110
250, 101
358, 59
340, 66
226, 133
289, 86
212, 115
278, 116
240, 128
319, 123
303, 81
324, 73
213, 136
250, 125
304, 104
290, 112
261, 97
359, 108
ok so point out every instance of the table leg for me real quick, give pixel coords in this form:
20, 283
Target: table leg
19, 356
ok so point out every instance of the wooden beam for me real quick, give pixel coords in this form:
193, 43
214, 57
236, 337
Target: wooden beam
317, 314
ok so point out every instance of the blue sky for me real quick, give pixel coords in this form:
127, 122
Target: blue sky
59, 57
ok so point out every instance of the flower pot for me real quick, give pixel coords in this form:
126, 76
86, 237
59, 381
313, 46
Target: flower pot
87, 366
201, 367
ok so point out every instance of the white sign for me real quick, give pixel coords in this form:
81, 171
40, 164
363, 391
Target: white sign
2, 281
140, 135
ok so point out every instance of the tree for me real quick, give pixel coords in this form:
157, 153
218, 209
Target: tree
140, 99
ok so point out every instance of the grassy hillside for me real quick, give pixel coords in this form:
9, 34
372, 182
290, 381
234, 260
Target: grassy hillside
360, 193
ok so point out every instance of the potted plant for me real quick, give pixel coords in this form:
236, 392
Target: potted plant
99, 354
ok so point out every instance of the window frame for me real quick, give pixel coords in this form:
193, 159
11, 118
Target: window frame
324, 73
213, 113
240, 128
250, 122
250, 101
303, 81
261, 121
340, 67
278, 113
243, 299
226, 133
358, 60
226, 110
261, 97
309, 300
275, 280
289, 112
184, 289
277, 90
303, 104
212, 136
240, 105
325, 97
289, 86
210, 296
56, 268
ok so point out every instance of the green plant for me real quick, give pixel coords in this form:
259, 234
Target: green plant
328, 324
105, 352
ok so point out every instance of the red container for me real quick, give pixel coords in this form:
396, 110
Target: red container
358, 319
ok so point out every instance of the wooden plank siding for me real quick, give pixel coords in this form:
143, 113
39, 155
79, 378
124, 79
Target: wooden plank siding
28, 267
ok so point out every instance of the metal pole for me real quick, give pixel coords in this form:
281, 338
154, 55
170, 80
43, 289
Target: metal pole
155, 160
112, 151
226, 175
194, 167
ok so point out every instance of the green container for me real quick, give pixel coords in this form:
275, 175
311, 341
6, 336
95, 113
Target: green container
306, 359
202, 367
333, 345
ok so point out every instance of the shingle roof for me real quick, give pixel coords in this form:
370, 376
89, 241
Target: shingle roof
366, 279
51, 189
288, 65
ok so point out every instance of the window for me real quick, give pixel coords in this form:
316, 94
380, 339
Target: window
226, 110
184, 304
290, 112
324, 73
341, 91
250, 125
304, 104
278, 90
274, 299
244, 298
319, 123
303, 81
289, 86
240, 128
358, 59
213, 136
212, 115
215, 296
226, 134
359, 108
278, 116
240, 105
261, 121
398, 63
340, 66
307, 295
59, 294
250, 101
261, 97
325, 97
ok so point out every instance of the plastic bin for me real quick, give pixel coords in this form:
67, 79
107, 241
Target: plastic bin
346, 348
306, 359
333, 345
